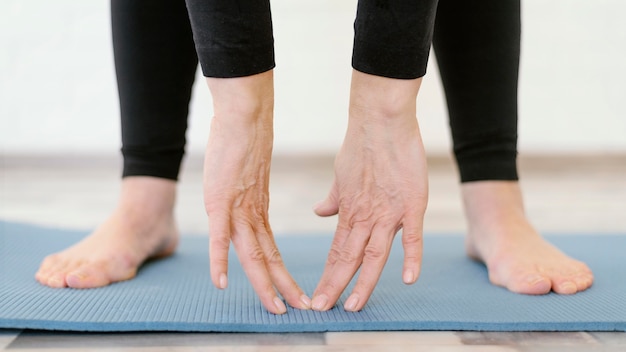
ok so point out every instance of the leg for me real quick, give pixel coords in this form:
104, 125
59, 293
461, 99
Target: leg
477, 47
155, 66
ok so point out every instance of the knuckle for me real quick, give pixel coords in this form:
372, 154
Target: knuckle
332, 286
333, 255
411, 239
215, 203
365, 287
348, 256
256, 254
274, 258
387, 221
374, 253
220, 241
218, 263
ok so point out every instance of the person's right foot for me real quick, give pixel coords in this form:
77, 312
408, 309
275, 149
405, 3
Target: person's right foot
141, 227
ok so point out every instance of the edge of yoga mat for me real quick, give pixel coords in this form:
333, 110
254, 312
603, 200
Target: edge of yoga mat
176, 294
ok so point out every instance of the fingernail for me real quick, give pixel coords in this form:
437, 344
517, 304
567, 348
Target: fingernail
306, 302
223, 281
280, 305
408, 277
351, 303
319, 302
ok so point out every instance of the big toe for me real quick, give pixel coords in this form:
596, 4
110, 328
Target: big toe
529, 283
87, 277
96, 275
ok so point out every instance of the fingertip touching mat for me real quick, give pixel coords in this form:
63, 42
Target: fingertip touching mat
176, 293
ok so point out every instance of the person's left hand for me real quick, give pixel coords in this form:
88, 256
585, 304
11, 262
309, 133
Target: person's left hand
380, 187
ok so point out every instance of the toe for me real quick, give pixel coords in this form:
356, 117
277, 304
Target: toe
530, 283
56, 280
47, 269
87, 277
565, 287
52, 272
42, 276
572, 283
575, 278
583, 282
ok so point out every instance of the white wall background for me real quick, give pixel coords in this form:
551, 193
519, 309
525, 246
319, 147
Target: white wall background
58, 93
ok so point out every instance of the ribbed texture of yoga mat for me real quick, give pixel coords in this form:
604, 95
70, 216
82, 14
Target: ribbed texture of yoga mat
176, 294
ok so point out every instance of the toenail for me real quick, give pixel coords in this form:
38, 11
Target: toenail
535, 279
55, 281
568, 287
76, 278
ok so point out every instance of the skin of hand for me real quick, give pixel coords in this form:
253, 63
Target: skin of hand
236, 183
380, 187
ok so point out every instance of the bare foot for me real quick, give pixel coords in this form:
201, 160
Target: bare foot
141, 227
516, 256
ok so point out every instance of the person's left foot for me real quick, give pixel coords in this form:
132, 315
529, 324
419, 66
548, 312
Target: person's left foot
516, 256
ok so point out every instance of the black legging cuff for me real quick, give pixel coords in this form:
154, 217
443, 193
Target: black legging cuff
232, 38
163, 164
497, 166
392, 38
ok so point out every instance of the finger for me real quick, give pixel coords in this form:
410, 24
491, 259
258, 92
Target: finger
374, 259
330, 205
283, 281
252, 260
341, 235
219, 243
412, 234
334, 253
349, 258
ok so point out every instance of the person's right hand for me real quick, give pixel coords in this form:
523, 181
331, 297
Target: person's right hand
236, 193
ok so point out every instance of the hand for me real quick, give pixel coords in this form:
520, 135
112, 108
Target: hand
380, 187
236, 182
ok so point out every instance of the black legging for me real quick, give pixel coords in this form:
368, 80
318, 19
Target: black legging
477, 45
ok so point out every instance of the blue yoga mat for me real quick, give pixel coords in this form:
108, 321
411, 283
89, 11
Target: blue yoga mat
176, 294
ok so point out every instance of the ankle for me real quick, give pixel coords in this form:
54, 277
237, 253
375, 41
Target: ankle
489, 204
147, 195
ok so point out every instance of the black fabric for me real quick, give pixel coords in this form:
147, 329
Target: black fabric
477, 46
157, 44
155, 62
392, 38
233, 37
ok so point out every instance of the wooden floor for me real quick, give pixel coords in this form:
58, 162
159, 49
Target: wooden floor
573, 195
